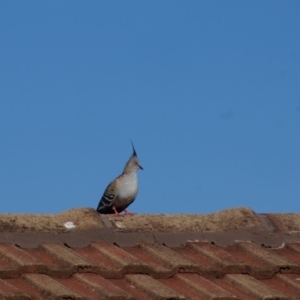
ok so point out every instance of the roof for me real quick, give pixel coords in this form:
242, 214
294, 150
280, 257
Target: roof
232, 254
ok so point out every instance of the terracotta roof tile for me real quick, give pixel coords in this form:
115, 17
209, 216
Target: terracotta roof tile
254, 287
272, 261
171, 260
100, 263
288, 282
223, 261
67, 257
8, 291
21, 261
258, 260
49, 287
101, 287
151, 287
199, 286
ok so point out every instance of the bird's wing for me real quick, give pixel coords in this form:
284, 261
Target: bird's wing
109, 195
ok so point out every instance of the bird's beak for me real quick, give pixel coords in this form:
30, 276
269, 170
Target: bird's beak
141, 167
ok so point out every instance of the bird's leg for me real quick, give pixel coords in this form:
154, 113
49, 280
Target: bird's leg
116, 212
126, 212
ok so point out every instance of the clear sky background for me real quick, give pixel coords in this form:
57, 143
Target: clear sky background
209, 92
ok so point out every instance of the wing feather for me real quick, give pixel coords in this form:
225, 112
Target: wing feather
108, 197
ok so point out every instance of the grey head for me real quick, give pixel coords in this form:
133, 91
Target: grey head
133, 163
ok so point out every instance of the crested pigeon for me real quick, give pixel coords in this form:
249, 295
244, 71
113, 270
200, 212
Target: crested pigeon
122, 191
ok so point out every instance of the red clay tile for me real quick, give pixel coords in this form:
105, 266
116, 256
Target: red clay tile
273, 263
152, 265
98, 268
152, 287
290, 252
173, 261
75, 287
131, 289
206, 267
44, 257
8, 269
204, 287
17, 255
25, 287
256, 267
234, 290
102, 287
295, 247
101, 264
25, 262
291, 280
225, 262
80, 289
286, 284
67, 257
254, 287
8, 291
50, 288
183, 263
54, 267
124, 261
116, 254
181, 288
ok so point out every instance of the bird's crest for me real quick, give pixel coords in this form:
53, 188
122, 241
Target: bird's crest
134, 152
133, 163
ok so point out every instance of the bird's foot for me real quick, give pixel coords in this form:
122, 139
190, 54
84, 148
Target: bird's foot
116, 212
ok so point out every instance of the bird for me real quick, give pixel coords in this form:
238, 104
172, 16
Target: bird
122, 191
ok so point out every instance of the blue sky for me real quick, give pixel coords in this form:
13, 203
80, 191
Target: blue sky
209, 92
